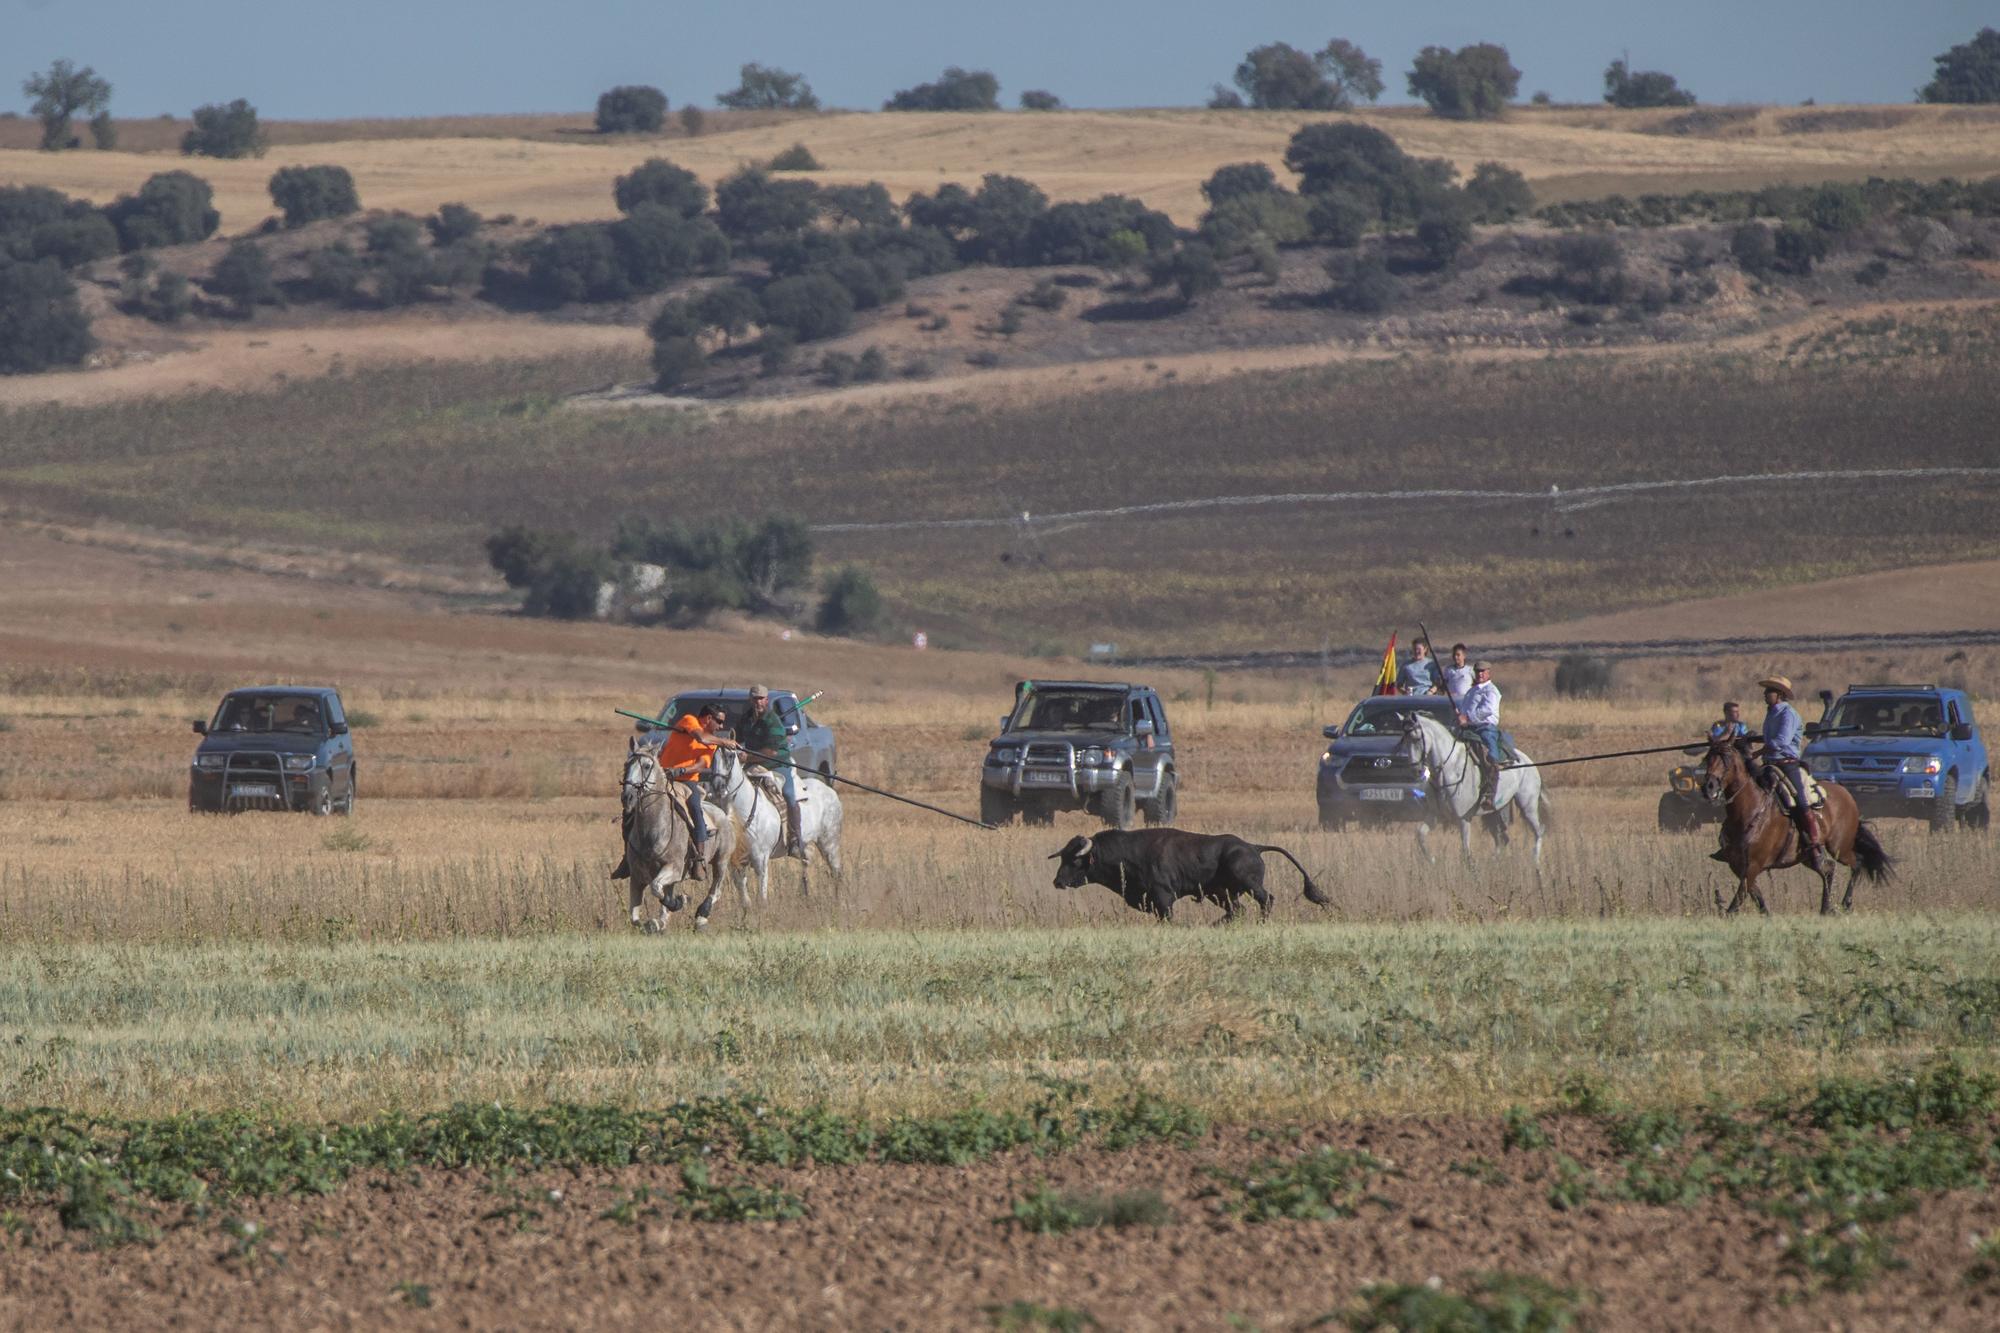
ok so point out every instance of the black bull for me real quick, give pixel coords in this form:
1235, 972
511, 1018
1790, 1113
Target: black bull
1152, 869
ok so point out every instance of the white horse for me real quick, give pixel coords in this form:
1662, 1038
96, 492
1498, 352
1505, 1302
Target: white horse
1455, 784
656, 841
763, 825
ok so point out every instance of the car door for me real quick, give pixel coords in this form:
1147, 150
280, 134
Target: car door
1146, 750
340, 756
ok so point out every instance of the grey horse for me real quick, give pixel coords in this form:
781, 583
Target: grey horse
657, 837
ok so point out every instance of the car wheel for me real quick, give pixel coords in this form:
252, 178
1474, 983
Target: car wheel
995, 808
1976, 814
1944, 810
322, 802
1121, 807
1675, 815
1163, 810
353, 790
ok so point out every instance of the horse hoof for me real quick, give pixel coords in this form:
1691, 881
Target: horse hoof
653, 927
701, 923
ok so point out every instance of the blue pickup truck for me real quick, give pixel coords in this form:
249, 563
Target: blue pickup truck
1909, 751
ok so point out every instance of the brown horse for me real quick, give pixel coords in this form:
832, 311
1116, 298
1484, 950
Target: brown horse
1758, 834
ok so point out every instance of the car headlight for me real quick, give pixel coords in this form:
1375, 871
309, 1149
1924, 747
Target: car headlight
1001, 756
1326, 756
299, 763
209, 763
1922, 763
1091, 756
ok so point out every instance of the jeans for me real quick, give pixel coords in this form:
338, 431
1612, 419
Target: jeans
1490, 738
790, 777
1792, 771
695, 812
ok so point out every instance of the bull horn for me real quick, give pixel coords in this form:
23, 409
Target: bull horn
1076, 846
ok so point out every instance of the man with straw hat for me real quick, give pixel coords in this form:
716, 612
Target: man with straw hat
1784, 732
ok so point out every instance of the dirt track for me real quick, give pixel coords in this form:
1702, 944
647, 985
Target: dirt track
920, 1248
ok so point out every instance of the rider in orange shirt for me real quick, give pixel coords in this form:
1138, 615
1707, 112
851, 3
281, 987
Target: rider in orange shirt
691, 743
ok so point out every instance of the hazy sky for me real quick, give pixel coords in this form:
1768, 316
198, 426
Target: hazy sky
429, 57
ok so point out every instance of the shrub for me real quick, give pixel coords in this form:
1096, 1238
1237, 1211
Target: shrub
397, 233
1361, 284
676, 361
766, 88
1192, 270
730, 310
837, 368
750, 204
998, 219
1225, 99
1037, 99
224, 131
171, 208
1837, 209
310, 194
659, 182
1044, 295
871, 365
692, 120
1798, 247
796, 158
1279, 217
59, 95
1340, 218
335, 274
870, 283
243, 275
1238, 179
566, 588
453, 222
1078, 233
41, 324
1623, 88
775, 349
631, 109
1497, 193
655, 246
1753, 249
103, 132
1968, 72
1471, 83
1590, 266
1581, 677
23, 208
576, 263
1263, 252
850, 604
1443, 232
1368, 164
74, 241
859, 205
955, 90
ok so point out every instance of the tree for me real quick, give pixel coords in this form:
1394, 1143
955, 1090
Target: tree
1192, 270
1471, 83
243, 274
766, 88
658, 181
335, 274
796, 158
1622, 88
1038, 99
1078, 233
59, 95
1238, 178
692, 120
576, 263
811, 306
41, 324
311, 194
1753, 249
103, 132
751, 204
955, 90
859, 205
1362, 161
171, 208
676, 361
1279, 77
654, 246
1278, 217
999, 217
454, 222
1497, 194
730, 310
631, 109
1341, 217
1443, 231
1225, 99
1350, 72
1361, 284
224, 131
850, 603
1968, 72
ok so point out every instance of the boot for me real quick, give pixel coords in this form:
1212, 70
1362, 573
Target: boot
795, 830
1809, 830
697, 866
1489, 783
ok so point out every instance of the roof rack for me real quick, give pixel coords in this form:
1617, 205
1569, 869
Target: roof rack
1862, 689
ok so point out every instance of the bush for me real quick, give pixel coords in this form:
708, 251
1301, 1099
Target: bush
631, 109
1279, 217
1837, 209
577, 263
796, 158
74, 241
871, 365
1225, 99
692, 120
1753, 249
1037, 99
1368, 164
1471, 83
730, 310
335, 274
955, 90
1623, 88
453, 222
1969, 72
1044, 295
811, 305
859, 205
1798, 247
396, 233
566, 588
1443, 233
1192, 270
171, 208
103, 132
1590, 266
1340, 218
998, 219
1079, 233
168, 301
676, 361
752, 567
775, 349
837, 368
243, 275
869, 282
850, 603
311, 194
765, 88
751, 205
659, 182
1498, 194
1581, 677
655, 246
41, 324
1238, 179
1361, 284
224, 131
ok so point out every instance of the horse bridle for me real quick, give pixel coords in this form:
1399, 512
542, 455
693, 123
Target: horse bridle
1414, 733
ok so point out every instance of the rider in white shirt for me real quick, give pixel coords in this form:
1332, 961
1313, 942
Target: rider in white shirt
1479, 713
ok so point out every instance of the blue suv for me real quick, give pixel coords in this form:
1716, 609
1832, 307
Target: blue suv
1909, 751
274, 747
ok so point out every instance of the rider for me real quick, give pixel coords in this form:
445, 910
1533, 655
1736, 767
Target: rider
762, 734
691, 743
1732, 726
1783, 732
1479, 714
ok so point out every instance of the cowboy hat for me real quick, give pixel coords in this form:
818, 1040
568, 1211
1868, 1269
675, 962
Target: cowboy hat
1782, 684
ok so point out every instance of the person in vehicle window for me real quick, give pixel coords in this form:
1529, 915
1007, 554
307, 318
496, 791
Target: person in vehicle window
1419, 674
1457, 676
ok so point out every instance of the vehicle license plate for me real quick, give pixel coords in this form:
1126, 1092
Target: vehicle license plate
252, 789
1032, 779
1381, 793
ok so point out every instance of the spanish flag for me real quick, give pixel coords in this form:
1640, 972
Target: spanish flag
1385, 683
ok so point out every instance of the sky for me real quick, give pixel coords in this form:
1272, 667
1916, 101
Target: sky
359, 58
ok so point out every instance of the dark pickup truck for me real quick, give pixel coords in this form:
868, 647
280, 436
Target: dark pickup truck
274, 747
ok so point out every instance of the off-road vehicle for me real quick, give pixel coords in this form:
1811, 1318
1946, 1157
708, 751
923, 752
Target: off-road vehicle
1081, 745
1905, 751
274, 747
1362, 778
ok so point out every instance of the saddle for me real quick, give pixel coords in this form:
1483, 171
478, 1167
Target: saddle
774, 788
1788, 799
1472, 742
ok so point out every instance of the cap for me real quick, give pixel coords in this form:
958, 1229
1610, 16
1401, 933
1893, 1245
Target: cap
1482, 665
759, 692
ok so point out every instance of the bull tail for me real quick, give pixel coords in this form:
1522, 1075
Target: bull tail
1313, 894
1870, 861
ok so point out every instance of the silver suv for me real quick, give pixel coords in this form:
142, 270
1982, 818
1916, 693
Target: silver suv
1081, 745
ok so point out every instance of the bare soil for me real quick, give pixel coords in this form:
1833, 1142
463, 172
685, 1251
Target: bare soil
897, 1247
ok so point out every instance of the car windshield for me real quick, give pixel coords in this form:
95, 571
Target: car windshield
1384, 719
1887, 715
1069, 710
270, 712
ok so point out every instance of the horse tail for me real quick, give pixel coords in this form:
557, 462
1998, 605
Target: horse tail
1313, 893
1544, 812
1870, 861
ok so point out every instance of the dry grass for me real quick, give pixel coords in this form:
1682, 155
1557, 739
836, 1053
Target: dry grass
534, 166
